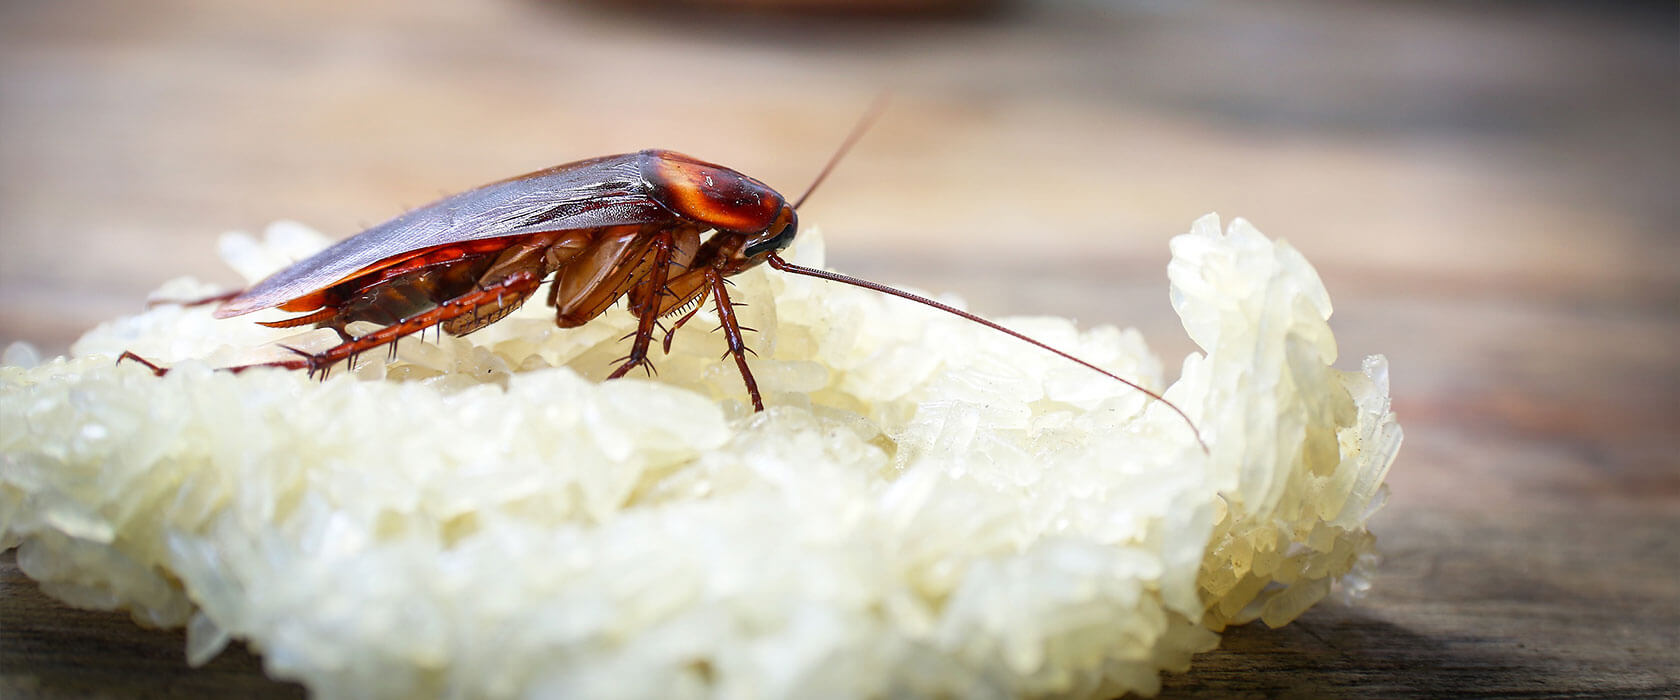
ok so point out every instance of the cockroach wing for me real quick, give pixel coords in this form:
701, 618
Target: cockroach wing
608, 191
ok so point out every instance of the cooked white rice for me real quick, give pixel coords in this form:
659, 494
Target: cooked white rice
928, 508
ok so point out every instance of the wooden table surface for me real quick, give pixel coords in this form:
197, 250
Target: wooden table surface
1489, 191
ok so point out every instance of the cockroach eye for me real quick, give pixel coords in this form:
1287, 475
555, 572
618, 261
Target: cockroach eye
780, 241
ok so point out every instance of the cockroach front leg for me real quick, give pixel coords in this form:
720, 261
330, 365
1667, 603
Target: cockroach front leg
671, 332
732, 333
693, 287
515, 284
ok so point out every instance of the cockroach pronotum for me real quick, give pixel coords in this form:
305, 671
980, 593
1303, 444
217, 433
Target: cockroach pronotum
631, 225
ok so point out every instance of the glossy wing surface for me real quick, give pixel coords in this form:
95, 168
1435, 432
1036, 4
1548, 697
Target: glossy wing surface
609, 191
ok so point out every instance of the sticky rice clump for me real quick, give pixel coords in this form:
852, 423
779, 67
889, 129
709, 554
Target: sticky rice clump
927, 507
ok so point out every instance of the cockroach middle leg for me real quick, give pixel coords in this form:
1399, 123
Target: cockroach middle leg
647, 311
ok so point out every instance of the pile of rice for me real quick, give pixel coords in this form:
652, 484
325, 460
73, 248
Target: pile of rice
927, 508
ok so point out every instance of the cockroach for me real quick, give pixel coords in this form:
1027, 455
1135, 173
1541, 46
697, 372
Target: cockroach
624, 226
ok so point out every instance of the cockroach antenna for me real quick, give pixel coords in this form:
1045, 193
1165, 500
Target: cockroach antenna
863, 124
777, 262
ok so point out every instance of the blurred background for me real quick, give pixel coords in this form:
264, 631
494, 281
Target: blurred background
1488, 189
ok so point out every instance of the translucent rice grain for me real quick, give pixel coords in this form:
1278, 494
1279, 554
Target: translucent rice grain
1283, 608
20, 355
926, 509
205, 641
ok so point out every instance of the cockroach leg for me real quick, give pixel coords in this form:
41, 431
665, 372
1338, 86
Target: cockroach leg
327, 317
319, 363
159, 371
516, 283
672, 331
307, 363
212, 299
732, 334
648, 311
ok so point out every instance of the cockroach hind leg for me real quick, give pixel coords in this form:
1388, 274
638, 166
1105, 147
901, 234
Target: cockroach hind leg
312, 362
201, 301
156, 370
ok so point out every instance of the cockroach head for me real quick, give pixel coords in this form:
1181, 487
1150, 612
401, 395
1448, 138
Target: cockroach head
777, 236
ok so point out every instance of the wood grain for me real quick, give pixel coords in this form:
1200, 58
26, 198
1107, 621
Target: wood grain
1487, 190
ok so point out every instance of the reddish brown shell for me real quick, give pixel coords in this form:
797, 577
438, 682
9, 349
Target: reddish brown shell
648, 187
711, 194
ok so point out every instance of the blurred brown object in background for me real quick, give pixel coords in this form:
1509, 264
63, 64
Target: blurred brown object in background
828, 7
